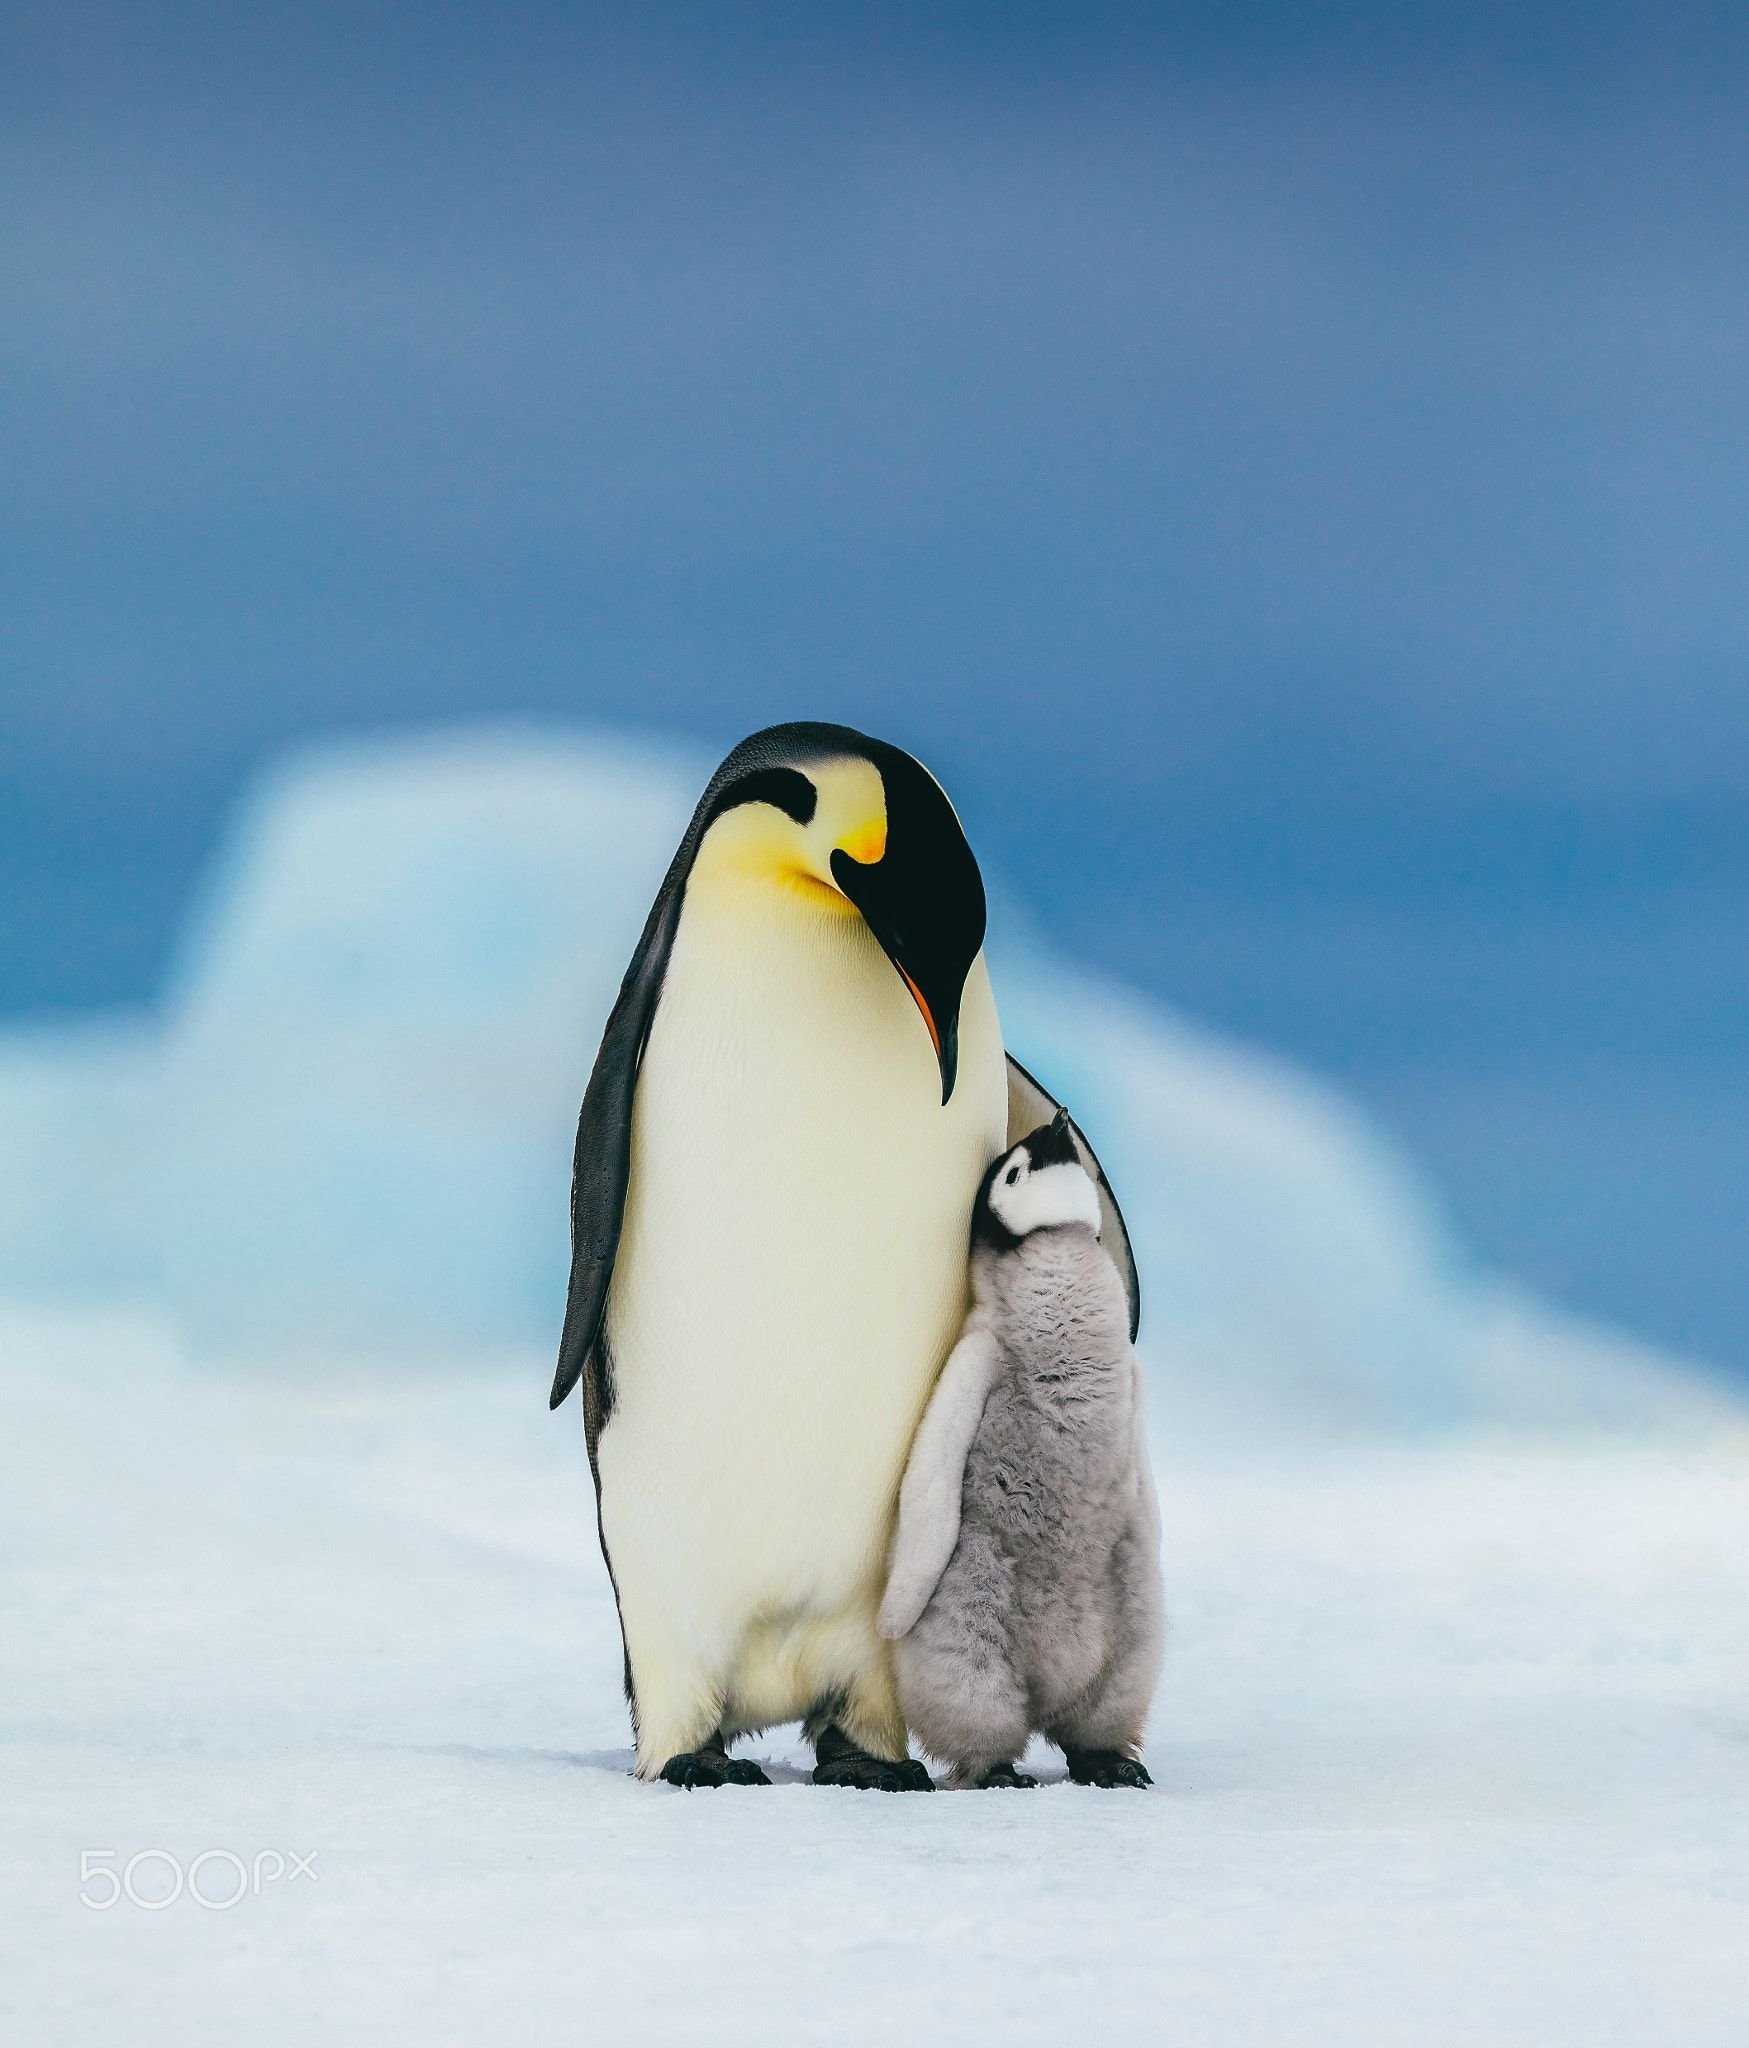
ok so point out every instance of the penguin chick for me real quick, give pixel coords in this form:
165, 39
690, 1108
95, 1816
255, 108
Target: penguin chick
1023, 1594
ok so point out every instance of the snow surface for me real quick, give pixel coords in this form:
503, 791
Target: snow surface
1451, 1748
351, 1137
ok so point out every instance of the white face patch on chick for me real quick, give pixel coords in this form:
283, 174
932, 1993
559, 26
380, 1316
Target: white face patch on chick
1025, 1197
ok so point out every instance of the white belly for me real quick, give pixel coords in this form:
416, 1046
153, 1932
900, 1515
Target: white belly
791, 1275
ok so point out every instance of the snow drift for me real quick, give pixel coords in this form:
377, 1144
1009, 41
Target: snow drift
351, 1133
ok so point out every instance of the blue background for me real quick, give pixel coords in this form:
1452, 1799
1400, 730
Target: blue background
1284, 468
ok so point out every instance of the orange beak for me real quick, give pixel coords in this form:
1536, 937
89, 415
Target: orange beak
923, 1009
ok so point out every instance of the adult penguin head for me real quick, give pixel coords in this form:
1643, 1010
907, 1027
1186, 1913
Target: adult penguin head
858, 828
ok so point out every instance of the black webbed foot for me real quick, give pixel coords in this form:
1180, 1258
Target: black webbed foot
838, 1761
1004, 1777
875, 1774
1106, 1767
711, 1765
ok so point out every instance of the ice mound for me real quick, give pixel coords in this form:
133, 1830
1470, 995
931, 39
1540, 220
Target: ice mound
354, 1138
79, 1160
380, 1029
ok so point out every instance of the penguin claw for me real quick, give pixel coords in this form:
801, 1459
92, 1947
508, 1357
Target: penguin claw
1107, 1768
875, 1774
743, 1771
1004, 1778
696, 1767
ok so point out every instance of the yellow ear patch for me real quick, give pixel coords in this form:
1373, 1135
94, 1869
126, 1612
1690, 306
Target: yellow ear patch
868, 843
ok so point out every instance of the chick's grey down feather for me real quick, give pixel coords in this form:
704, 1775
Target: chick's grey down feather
1024, 1590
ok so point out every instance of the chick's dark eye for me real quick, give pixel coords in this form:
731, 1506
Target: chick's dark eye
1012, 1175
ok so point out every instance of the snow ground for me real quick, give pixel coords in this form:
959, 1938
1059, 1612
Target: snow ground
1452, 1748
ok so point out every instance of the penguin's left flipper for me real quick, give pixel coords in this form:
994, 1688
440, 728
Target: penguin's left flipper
602, 1163
929, 1498
1030, 1105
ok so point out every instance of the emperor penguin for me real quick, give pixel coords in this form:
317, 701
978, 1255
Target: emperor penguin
796, 1097
1024, 1592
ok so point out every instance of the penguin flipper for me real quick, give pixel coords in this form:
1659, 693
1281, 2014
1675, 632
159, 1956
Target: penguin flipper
602, 1163
929, 1498
1030, 1105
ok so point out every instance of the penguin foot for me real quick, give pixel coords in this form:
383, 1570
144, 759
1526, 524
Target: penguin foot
711, 1765
875, 1774
1107, 1767
1004, 1778
840, 1762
